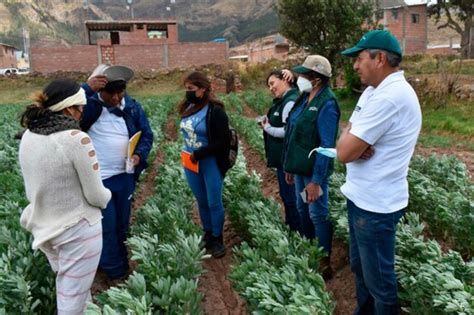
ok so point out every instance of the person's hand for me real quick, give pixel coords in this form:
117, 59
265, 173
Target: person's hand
289, 178
368, 153
288, 75
264, 122
193, 159
97, 83
312, 190
135, 159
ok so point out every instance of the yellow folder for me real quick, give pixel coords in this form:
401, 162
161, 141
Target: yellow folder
132, 144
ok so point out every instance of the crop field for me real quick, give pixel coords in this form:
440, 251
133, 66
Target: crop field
271, 269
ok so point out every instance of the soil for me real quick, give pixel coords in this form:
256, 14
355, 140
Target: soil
219, 295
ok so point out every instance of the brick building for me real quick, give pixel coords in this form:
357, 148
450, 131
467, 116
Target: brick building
7, 56
408, 21
140, 44
261, 50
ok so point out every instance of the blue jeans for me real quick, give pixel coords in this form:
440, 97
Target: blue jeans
115, 223
207, 188
314, 217
372, 254
288, 196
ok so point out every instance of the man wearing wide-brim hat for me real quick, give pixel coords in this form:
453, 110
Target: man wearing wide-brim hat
312, 123
111, 118
377, 146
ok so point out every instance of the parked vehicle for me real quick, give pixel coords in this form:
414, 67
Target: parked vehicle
8, 71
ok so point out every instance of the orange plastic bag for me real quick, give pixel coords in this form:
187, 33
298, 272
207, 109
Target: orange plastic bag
187, 163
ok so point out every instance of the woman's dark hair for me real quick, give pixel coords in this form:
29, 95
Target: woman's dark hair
53, 93
279, 75
201, 81
276, 73
313, 75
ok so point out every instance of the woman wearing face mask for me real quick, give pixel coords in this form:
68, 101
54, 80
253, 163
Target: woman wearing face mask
205, 129
273, 125
312, 123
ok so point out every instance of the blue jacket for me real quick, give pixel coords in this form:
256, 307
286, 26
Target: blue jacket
135, 119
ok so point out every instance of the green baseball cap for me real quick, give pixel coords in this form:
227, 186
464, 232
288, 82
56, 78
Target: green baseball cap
375, 40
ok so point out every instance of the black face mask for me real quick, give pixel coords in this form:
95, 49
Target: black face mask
192, 98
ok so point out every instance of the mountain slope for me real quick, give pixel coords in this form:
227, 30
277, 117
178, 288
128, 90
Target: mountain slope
52, 22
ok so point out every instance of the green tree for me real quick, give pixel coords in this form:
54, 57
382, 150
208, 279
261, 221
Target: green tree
324, 27
458, 15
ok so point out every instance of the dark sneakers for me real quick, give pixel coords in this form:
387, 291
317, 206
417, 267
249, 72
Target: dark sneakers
217, 246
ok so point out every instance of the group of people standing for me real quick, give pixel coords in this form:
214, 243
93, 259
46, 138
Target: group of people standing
376, 147
73, 157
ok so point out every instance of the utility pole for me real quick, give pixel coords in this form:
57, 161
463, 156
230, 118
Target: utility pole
130, 5
26, 45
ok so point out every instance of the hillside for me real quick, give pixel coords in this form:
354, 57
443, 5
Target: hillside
52, 22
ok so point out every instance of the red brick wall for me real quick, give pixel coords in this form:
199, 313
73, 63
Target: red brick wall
144, 57
187, 54
7, 57
140, 37
138, 57
415, 33
76, 58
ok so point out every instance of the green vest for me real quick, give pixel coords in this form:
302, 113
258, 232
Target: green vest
274, 146
304, 136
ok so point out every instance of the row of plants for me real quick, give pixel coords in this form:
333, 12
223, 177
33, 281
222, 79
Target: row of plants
27, 283
258, 100
431, 282
275, 270
166, 246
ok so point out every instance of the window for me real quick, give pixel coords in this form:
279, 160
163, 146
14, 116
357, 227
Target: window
395, 14
415, 18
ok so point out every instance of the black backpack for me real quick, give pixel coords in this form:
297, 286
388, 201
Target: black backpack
234, 147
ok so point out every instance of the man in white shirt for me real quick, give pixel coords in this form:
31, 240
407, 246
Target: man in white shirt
377, 146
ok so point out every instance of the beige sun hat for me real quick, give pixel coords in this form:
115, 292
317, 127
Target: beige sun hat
316, 63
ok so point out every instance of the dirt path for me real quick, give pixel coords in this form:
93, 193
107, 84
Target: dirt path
342, 285
219, 295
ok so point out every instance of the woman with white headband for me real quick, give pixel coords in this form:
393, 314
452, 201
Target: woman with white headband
64, 190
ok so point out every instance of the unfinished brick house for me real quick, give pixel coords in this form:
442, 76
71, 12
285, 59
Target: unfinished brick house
7, 56
408, 21
140, 44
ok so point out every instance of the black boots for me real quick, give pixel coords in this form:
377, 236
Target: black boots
207, 240
217, 246
214, 244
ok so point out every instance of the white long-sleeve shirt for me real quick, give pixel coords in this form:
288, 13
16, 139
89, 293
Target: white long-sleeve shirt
279, 132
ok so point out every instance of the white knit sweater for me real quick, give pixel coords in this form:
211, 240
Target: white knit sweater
62, 183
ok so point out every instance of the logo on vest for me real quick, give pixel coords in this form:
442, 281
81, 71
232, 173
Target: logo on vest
313, 109
276, 114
